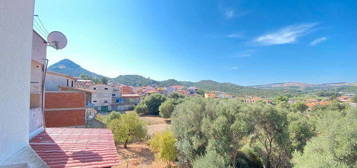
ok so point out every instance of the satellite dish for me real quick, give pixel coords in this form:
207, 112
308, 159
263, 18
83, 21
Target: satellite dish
57, 40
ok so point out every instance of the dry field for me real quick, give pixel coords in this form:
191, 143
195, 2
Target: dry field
138, 154
156, 124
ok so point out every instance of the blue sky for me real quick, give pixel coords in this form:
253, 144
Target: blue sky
243, 42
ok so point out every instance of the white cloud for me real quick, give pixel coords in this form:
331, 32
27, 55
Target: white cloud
317, 41
229, 13
285, 35
235, 35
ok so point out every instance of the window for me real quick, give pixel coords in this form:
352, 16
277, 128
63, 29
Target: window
113, 95
67, 82
105, 88
94, 88
72, 84
94, 101
105, 101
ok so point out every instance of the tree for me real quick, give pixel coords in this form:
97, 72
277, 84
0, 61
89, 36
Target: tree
176, 96
354, 99
186, 125
104, 80
300, 131
300, 107
201, 92
142, 108
85, 77
163, 144
153, 103
280, 99
271, 135
335, 145
167, 108
112, 116
210, 160
203, 125
127, 128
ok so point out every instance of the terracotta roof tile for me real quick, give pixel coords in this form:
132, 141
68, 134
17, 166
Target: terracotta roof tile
76, 147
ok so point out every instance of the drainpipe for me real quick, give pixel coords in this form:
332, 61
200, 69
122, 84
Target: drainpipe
43, 92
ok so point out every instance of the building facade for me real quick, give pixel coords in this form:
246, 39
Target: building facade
102, 96
56, 80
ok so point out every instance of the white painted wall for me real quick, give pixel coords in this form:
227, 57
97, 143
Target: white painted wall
53, 82
16, 42
38, 57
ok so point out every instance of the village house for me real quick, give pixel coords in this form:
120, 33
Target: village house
192, 90
124, 89
56, 80
102, 96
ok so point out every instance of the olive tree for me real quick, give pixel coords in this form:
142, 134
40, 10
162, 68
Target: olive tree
271, 135
167, 108
153, 103
127, 128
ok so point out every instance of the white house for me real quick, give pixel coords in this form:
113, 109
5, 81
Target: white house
56, 80
102, 96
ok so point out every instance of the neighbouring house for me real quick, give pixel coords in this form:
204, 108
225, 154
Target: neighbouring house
126, 102
311, 104
102, 97
345, 98
20, 146
85, 84
253, 99
124, 89
210, 95
192, 90
65, 109
146, 90
56, 80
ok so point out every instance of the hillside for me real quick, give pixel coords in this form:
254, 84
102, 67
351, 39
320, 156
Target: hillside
68, 67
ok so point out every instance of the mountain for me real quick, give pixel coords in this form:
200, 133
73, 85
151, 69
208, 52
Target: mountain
304, 86
287, 85
209, 85
70, 68
134, 80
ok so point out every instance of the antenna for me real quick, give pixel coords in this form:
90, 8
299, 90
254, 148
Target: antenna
57, 40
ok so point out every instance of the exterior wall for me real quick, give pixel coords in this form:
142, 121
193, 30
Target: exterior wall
39, 48
54, 81
100, 95
72, 118
65, 108
16, 41
37, 65
64, 99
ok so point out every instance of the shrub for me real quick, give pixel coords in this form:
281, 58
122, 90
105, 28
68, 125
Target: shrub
127, 128
163, 144
167, 108
141, 108
153, 103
